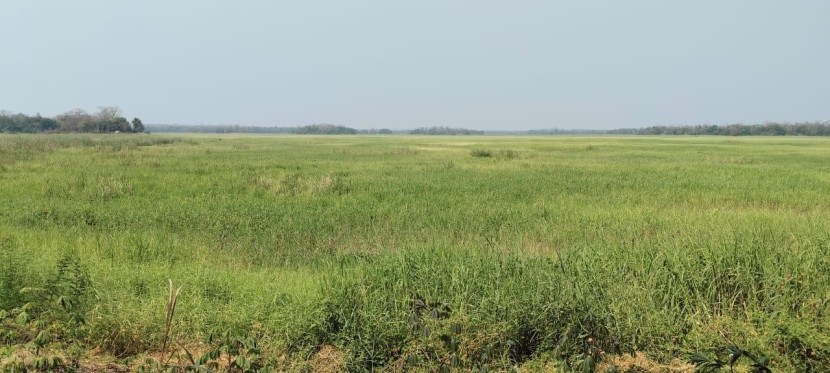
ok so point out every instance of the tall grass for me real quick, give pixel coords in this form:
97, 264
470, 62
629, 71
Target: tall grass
416, 251
512, 308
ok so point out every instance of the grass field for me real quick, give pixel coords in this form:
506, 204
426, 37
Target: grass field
366, 253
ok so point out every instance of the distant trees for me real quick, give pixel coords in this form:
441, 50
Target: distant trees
326, 129
765, 129
444, 131
224, 128
235, 128
10, 122
107, 119
381, 131
558, 131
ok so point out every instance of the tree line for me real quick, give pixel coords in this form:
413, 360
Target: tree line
559, 131
224, 128
765, 129
444, 131
108, 119
321, 129
326, 129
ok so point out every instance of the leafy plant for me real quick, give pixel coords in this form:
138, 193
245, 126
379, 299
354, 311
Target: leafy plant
54, 311
237, 351
728, 357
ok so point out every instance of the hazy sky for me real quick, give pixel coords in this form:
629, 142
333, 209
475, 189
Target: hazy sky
394, 64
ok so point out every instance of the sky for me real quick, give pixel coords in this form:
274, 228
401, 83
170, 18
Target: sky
490, 65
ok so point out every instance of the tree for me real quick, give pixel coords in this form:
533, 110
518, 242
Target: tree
108, 113
75, 120
137, 125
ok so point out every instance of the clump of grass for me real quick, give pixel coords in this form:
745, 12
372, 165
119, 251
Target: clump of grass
481, 153
507, 154
113, 187
13, 273
438, 307
293, 184
502, 154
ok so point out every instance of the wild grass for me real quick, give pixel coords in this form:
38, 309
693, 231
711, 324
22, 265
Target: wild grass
419, 251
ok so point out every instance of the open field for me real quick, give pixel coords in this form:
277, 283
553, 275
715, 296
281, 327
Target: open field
362, 252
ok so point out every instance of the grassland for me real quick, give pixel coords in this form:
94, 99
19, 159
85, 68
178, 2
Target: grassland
399, 252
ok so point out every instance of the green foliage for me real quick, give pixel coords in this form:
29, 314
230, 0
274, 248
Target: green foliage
54, 311
12, 274
240, 351
138, 125
230, 350
106, 121
26, 124
728, 357
485, 318
51, 363
51, 314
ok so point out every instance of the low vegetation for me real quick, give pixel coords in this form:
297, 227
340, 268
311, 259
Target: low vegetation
330, 253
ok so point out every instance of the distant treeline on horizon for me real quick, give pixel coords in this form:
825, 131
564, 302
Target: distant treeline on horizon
765, 129
109, 120
325, 129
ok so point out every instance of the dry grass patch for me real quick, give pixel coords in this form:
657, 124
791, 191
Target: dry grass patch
328, 360
640, 363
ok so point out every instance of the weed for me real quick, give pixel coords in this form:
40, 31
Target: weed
168, 321
728, 356
239, 351
51, 314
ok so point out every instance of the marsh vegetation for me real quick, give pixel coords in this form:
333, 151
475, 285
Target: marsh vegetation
365, 252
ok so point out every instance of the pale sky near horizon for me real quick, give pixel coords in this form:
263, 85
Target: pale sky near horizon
489, 65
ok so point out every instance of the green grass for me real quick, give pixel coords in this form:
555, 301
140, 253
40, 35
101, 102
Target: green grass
535, 250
